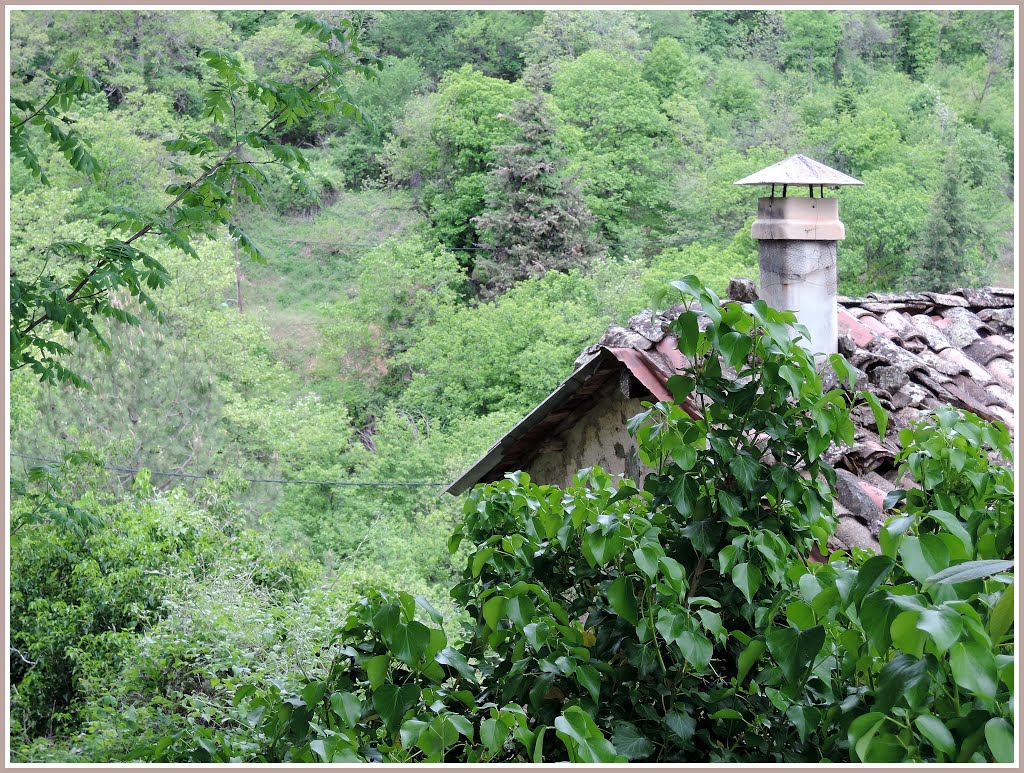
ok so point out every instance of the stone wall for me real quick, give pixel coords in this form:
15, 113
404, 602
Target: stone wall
598, 438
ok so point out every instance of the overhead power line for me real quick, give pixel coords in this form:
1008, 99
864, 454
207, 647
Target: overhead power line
681, 239
251, 480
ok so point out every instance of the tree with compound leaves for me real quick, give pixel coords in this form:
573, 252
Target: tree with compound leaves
214, 170
536, 219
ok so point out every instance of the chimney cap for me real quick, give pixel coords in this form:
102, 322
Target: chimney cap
799, 170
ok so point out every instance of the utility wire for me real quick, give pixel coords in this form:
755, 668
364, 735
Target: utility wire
251, 480
684, 239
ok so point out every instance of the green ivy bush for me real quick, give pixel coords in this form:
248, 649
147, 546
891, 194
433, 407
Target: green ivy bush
687, 620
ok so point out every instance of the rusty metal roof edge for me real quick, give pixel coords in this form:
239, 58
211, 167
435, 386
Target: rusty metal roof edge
562, 392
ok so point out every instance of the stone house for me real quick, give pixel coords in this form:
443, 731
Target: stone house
914, 351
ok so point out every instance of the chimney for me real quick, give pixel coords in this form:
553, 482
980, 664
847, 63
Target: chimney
796, 243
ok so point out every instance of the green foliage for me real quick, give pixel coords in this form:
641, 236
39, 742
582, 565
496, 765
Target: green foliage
536, 220
89, 587
48, 309
505, 354
948, 257
683, 619
447, 146
613, 119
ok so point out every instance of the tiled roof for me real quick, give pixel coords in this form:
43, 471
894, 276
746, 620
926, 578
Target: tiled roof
914, 351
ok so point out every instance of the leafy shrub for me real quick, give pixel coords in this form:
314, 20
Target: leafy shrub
95, 574
685, 620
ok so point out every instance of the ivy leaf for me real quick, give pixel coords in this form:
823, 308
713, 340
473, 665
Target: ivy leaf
1002, 615
735, 347
347, 708
904, 676
924, 557
408, 642
628, 740
493, 734
681, 725
622, 599
376, 670
746, 470
696, 649
871, 574
795, 650
704, 534
646, 557
391, 702
750, 655
747, 578
943, 625
685, 328
590, 679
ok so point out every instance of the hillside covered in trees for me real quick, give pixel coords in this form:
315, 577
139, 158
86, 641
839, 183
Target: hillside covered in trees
410, 258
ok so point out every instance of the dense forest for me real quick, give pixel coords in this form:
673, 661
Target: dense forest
384, 289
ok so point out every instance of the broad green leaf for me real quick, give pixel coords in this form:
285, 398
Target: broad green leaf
704, 534
646, 557
408, 642
347, 707
750, 655
967, 571
493, 610
686, 330
938, 735
943, 625
924, 556
590, 678
622, 598
391, 702
905, 633
747, 578
999, 734
902, 677
974, 668
880, 414
377, 670
746, 470
795, 650
681, 725
870, 575
628, 740
1001, 619
537, 634
493, 734
696, 649
862, 732
735, 347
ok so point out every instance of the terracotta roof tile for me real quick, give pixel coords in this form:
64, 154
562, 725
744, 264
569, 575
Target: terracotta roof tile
1002, 370
932, 335
872, 323
850, 325
966, 365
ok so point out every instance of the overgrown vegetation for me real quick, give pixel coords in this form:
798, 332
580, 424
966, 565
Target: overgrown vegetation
450, 206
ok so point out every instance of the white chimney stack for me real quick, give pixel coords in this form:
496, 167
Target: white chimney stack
797, 238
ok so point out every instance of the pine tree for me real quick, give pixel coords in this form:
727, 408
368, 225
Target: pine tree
535, 220
949, 254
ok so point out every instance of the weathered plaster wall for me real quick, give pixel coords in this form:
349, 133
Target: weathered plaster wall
598, 438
